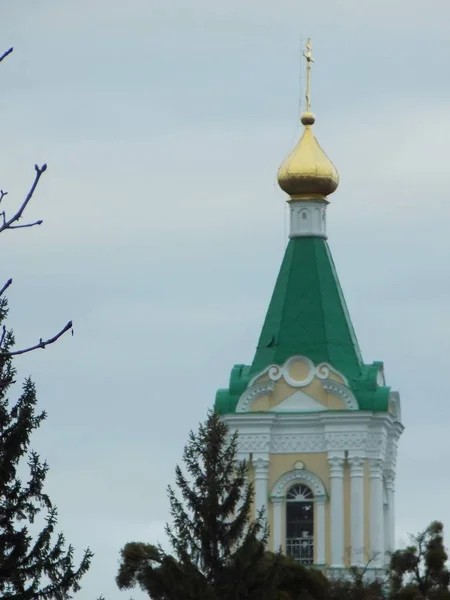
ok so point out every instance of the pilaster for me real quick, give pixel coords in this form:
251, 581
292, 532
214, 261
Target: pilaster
356, 510
278, 508
319, 534
261, 475
336, 470
376, 512
389, 542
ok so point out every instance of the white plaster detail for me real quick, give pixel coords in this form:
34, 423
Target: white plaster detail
252, 393
320, 532
299, 402
298, 442
377, 549
389, 513
341, 391
261, 476
278, 509
281, 486
336, 469
356, 510
276, 372
299, 464
395, 405
308, 218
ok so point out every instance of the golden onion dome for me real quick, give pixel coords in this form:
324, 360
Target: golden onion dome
307, 173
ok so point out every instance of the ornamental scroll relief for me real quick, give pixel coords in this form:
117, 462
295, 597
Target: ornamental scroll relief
277, 372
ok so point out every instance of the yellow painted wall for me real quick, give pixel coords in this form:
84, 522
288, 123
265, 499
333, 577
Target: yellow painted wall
283, 390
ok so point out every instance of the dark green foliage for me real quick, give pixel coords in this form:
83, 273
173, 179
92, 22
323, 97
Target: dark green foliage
30, 567
420, 571
218, 550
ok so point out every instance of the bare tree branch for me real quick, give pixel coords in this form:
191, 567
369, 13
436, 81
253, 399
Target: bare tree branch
26, 225
5, 54
6, 286
7, 223
2, 195
41, 344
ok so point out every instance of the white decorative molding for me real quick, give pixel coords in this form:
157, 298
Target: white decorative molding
395, 406
346, 440
308, 218
254, 443
298, 476
252, 393
276, 372
342, 392
326, 431
304, 443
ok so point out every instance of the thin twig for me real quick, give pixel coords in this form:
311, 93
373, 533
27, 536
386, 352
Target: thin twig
6, 286
26, 225
5, 54
8, 222
41, 344
2, 194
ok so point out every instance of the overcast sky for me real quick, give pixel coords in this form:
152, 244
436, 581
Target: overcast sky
163, 123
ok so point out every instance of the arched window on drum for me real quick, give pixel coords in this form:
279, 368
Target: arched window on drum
300, 524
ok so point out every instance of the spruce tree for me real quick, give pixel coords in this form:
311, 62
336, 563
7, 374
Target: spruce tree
217, 546
32, 565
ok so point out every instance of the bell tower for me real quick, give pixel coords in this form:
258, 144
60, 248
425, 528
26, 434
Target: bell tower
319, 426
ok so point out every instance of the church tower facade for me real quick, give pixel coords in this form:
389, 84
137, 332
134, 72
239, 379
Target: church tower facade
319, 427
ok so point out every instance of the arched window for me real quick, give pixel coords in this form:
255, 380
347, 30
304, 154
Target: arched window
300, 524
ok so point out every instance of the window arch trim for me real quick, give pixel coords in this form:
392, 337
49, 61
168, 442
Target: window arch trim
314, 482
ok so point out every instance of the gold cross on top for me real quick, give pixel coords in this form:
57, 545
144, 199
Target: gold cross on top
309, 59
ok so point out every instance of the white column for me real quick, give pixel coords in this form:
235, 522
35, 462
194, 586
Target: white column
356, 510
386, 532
389, 541
319, 534
336, 467
240, 502
278, 506
376, 513
261, 470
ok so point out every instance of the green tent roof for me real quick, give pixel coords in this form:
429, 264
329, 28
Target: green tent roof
308, 315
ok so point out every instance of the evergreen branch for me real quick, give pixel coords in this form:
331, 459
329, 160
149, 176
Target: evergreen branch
6, 286
41, 344
5, 54
8, 223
